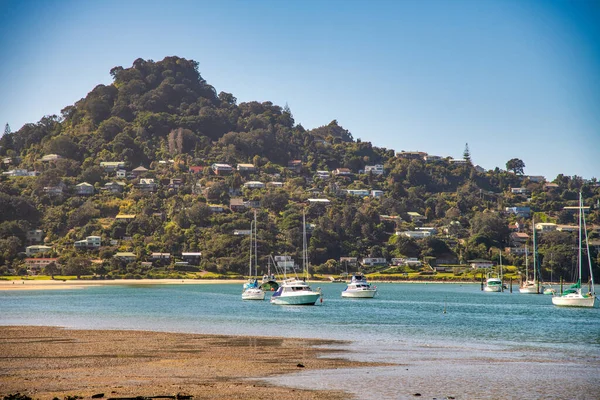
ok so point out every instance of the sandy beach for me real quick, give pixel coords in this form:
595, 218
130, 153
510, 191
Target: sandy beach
48, 362
57, 284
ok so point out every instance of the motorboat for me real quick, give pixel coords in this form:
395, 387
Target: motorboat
295, 292
359, 288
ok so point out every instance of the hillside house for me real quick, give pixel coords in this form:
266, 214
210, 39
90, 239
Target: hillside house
121, 174
242, 232
237, 204
125, 217
193, 258
37, 249
371, 261
175, 183
545, 227
430, 158
146, 185
252, 203
391, 218
84, 189
139, 171
196, 169
222, 169
522, 212
160, 258
519, 190
374, 169
50, 157
34, 236
415, 216
126, 256
114, 187
246, 168
322, 174
358, 192
536, 178
254, 185
275, 184
54, 190
410, 261
349, 261
35, 266
19, 172
342, 172
478, 263
411, 155
377, 194
295, 165
458, 161
414, 234
518, 251
567, 228
111, 166
90, 242
518, 238
216, 208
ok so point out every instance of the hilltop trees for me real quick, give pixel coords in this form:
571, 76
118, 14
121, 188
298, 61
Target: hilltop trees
515, 165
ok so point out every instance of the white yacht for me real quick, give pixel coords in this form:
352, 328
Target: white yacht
359, 288
294, 291
494, 284
531, 287
574, 297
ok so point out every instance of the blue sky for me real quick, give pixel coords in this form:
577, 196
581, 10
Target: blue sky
510, 78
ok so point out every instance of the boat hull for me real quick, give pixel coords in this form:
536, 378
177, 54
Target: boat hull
293, 299
530, 290
359, 294
576, 300
253, 295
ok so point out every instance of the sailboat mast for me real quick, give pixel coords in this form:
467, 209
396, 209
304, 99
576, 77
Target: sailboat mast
250, 255
579, 255
255, 246
534, 253
304, 248
526, 262
587, 246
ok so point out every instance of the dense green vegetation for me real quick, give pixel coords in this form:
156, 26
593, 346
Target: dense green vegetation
165, 117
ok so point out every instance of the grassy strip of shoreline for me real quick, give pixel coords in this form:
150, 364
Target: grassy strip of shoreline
48, 362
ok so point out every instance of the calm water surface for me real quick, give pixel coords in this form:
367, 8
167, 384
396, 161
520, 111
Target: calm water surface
486, 345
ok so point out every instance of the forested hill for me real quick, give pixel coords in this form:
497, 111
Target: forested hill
60, 178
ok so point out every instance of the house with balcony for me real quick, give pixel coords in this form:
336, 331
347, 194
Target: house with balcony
84, 189
114, 187
522, 212
518, 238
37, 249
193, 258
35, 266
90, 242
322, 174
55, 190
222, 169
237, 204
112, 166
374, 169
371, 261
146, 185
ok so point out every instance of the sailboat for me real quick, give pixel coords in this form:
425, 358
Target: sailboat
295, 291
574, 297
494, 283
531, 287
251, 289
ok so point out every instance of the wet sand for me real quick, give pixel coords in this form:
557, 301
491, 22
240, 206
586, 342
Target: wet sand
57, 284
48, 362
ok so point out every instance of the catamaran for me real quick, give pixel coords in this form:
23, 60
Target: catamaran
251, 289
574, 297
295, 291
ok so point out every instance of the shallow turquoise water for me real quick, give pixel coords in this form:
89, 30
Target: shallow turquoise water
404, 324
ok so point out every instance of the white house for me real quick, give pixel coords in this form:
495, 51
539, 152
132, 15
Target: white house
377, 194
374, 169
545, 226
89, 242
254, 185
37, 249
414, 234
246, 168
475, 264
222, 169
518, 190
358, 192
373, 261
